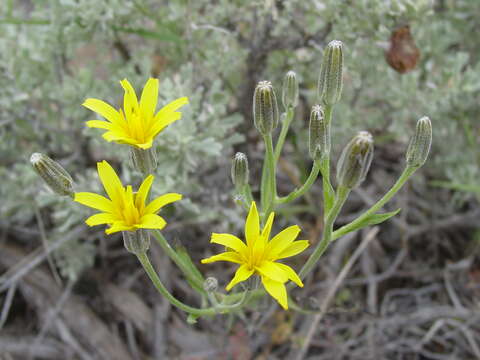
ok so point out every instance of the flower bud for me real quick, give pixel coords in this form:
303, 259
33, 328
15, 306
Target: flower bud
210, 284
355, 160
290, 90
144, 160
265, 109
420, 143
330, 82
319, 134
137, 242
240, 170
54, 175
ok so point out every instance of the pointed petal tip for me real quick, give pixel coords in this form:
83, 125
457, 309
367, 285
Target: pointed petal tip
87, 101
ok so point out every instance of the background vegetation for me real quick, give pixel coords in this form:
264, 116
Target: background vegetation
413, 294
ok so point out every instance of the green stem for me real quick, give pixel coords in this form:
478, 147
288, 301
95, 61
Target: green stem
271, 184
342, 195
283, 132
326, 177
147, 266
407, 172
192, 275
304, 188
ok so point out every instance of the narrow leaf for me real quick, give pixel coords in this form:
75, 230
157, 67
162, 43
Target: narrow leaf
379, 218
357, 225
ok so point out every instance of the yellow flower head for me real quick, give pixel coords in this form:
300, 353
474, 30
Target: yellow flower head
125, 210
137, 124
258, 255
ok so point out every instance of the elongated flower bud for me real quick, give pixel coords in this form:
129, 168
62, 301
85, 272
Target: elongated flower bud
420, 143
355, 160
137, 242
54, 175
319, 134
330, 82
144, 161
290, 90
240, 170
265, 108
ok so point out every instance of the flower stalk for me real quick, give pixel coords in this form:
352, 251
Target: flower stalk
152, 274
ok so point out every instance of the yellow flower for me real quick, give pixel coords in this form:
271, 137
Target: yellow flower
137, 124
125, 210
258, 255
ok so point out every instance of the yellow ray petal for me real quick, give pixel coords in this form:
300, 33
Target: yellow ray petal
292, 275
242, 274
161, 121
268, 227
118, 226
230, 241
142, 192
117, 136
104, 109
280, 241
226, 256
293, 249
148, 100
94, 201
277, 290
160, 202
99, 124
110, 180
130, 212
174, 105
272, 271
252, 225
151, 221
130, 101
99, 219
257, 251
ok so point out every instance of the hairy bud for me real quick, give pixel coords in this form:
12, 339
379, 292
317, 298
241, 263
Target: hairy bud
420, 143
355, 160
319, 133
265, 108
137, 242
330, 82
240, 170
144, 160
290, 90
210, 284
54, 175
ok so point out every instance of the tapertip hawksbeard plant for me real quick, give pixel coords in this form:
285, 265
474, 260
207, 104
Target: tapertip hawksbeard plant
259, 255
